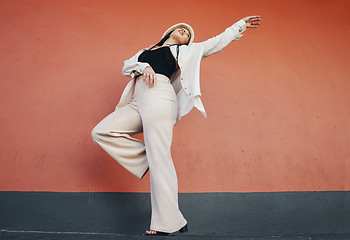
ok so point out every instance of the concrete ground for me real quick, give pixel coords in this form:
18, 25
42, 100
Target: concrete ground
39, 235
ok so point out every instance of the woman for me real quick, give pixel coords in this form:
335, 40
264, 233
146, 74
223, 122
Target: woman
164, 87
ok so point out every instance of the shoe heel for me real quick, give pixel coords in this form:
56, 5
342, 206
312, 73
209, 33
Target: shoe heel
183, 229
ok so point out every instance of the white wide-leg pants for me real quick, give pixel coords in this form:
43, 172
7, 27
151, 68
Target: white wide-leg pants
152, 111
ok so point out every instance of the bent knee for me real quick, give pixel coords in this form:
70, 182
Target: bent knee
95, 134
99, 134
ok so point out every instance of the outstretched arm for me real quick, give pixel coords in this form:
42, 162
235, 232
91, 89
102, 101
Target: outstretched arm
234, 32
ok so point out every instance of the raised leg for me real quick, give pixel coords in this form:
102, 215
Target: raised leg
114, 133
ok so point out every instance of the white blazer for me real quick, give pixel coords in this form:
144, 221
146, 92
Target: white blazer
186, 80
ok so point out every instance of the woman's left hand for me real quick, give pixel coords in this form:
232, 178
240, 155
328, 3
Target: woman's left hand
252, 21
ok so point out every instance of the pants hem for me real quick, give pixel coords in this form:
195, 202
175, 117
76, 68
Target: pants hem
173, 230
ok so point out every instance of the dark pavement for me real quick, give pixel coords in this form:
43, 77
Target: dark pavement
39, 235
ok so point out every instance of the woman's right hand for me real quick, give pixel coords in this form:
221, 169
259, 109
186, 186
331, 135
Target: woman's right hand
149, 76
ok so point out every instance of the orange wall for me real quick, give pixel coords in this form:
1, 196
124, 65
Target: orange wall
277, 99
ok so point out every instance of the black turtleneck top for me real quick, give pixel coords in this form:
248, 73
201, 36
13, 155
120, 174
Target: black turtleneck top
161, 60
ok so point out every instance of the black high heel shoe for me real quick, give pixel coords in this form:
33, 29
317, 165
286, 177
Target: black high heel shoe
182, 230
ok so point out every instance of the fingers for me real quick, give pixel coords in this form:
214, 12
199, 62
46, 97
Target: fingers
144, 77
145, 74
150, 79
253, 21
249, 18
256, 16
149, 76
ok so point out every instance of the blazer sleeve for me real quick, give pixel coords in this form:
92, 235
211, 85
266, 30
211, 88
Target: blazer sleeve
132, 67
219, 42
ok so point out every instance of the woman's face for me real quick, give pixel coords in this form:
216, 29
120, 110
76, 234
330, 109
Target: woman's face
182, 35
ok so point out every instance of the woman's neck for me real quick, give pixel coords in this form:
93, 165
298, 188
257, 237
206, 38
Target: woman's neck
170, 41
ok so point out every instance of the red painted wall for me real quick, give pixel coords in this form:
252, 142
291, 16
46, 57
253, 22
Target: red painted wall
277, 99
